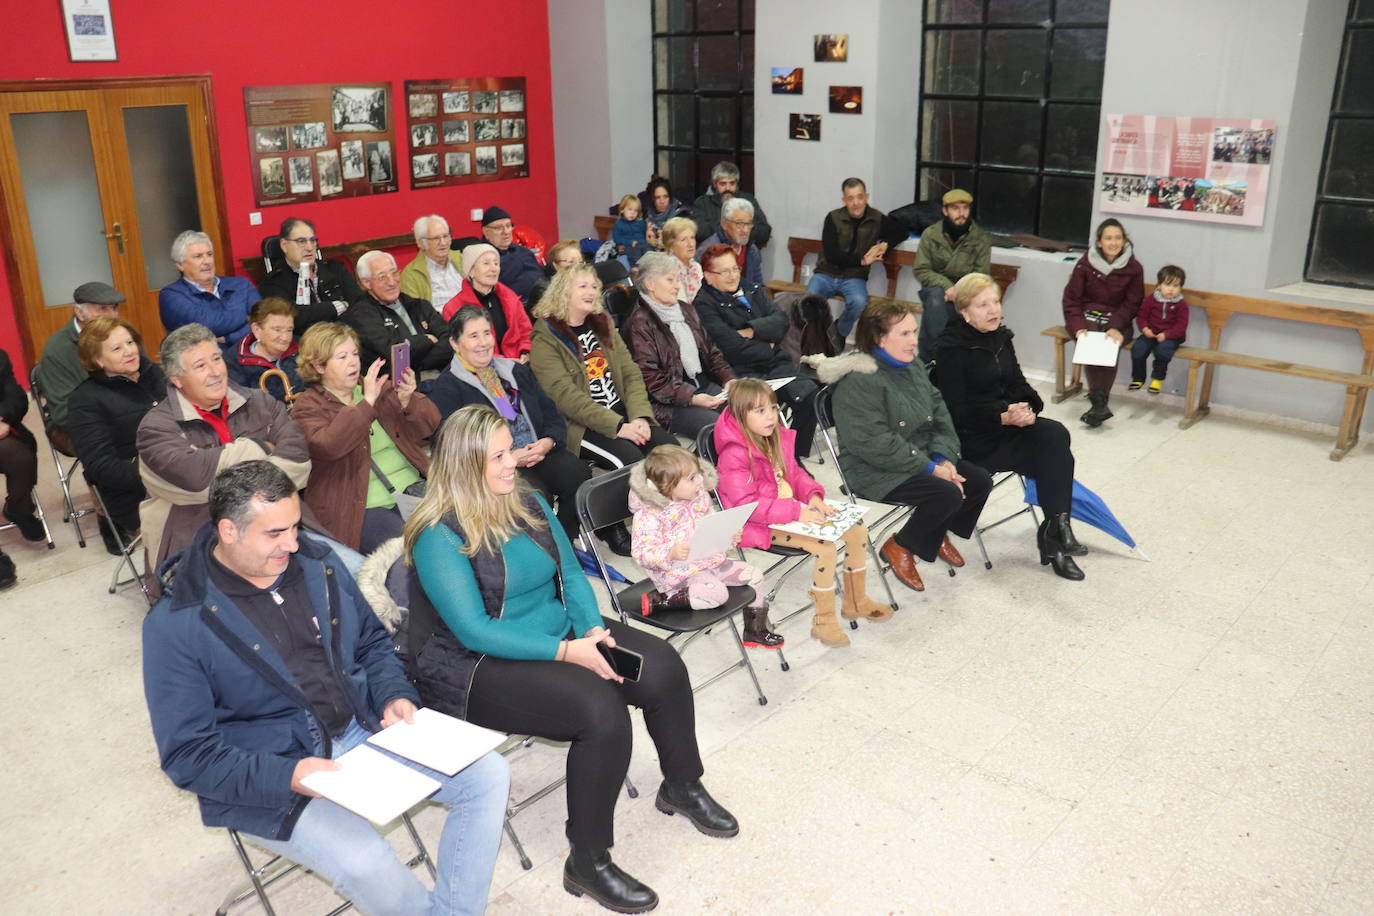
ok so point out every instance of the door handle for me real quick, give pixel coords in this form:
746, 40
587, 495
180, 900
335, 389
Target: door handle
117, 235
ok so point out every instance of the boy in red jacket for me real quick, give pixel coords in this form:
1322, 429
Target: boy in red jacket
1163, 323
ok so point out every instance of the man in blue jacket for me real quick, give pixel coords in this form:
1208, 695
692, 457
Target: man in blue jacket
261, 663
203, 297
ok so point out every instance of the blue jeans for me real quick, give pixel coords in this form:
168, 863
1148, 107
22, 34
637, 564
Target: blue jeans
345, 849
853, 289
936, 313
1140, 351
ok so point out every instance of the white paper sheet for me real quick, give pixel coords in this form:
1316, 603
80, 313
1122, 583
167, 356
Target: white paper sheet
845, 517
1095, 348
371, 784
776, 383
438, 741
716, 532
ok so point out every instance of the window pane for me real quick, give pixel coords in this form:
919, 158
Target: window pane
677, 168
746, 104
1340, 245
952, 63
1011, 134
164, 183
1016, 63
717, 123
1071, 143
1066, 209
1005, 201
949, 131
954, 11
1350, 161
1357, 82
1077, 66
672, 63
718, 62
717, 15
1364, 11
746, 173
1080, 11
676, 120
935, 182
747, 15
673, 15
1019, 11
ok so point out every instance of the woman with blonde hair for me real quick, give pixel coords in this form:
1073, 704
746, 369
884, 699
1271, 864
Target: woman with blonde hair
680, 240
522, 653
366, 436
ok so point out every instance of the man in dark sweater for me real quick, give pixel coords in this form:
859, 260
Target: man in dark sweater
386, 316
320, 290
520, 269
853, 237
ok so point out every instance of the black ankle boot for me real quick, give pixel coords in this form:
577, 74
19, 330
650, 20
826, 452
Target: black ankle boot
591, 872
107, 535
617, 538
1052, 553
654, 601
1099, 411
756, 632
7, 573
29, 524
1063, 532
691, 800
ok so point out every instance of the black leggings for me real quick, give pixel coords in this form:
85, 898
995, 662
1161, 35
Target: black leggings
1040, 450
562, 701
558, 476
19, 465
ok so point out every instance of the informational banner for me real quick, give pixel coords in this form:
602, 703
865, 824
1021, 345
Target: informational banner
321, 141
466, 130
1210, 169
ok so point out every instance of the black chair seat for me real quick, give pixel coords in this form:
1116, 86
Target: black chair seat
681, 621
781, 551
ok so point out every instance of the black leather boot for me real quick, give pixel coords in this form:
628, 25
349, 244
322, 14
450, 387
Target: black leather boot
1052, 554
617, 538
7, 573
107, 535
1099, 411
591, 872
1063, 531
691, 800
653, 601
756, 632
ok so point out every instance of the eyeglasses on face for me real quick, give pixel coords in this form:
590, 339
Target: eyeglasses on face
741, 222
303, 240
728, 271
437, 238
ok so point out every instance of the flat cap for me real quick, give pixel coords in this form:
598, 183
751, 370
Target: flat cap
97, 293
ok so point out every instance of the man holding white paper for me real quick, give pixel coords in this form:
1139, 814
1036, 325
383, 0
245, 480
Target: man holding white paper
261, 664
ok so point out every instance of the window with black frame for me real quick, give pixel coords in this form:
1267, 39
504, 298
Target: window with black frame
703, 91
1343, 218
1011, 92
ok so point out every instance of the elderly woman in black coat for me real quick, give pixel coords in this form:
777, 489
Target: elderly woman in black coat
996, 414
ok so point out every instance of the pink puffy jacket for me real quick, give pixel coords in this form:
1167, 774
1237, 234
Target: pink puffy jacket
746, 475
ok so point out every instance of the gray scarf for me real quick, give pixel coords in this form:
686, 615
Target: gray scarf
672, 316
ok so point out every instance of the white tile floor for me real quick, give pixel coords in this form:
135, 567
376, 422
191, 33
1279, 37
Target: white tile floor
1191, 734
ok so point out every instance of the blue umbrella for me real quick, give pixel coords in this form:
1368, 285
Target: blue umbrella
589, 567
1088, 507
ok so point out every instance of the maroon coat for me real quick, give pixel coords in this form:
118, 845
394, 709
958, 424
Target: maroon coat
656, 353
1168, 318
1116, 292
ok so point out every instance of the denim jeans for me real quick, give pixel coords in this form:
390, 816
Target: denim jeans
936, 313
1140, 352
854, 290
345, 849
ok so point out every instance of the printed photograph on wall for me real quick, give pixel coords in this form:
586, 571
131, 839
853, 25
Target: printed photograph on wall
359, 109
352, 153
452, 148
512, 128
846, 100
423, 134
486, 129
455, 132
787, 80
1250, 147
455, 102
831, 48
512, 100
379, 168
513, 154
308, 136
327, 167
302, 175
484, 102
425, 165
424, 105
271, 139
272, 175
457, 163
804, 126
486, 160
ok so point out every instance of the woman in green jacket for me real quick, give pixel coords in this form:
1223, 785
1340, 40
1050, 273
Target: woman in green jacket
897, 441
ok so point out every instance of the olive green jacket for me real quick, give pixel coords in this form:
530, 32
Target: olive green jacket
939, 263
890, 421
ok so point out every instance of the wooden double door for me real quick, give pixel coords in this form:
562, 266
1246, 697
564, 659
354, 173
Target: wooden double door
98, 178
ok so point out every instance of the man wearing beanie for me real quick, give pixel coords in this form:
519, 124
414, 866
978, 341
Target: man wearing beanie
949, 249
519, 267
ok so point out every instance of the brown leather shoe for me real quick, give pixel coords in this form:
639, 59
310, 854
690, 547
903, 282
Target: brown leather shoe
949, 554
903, 564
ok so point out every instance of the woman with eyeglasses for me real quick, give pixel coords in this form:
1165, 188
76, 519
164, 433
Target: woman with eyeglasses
321, 290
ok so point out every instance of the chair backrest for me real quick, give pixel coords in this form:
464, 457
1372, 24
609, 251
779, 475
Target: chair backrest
825, 423
604, 500
39, 398
706, 443
271, 252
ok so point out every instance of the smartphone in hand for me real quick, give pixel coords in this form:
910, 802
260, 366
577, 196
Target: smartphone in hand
400, 360
625, 662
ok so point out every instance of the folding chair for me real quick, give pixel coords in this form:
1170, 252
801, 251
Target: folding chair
1027, 507
64, 471
603, 501
888, 519
38, 511
261, 877
126, 552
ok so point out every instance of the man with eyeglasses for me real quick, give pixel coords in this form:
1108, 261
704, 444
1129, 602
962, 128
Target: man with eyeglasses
520, 269
737, 222
436, 273
854, 237
386, 316
321, 290
706, 211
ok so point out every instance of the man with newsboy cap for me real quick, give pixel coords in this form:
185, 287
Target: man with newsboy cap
949, 249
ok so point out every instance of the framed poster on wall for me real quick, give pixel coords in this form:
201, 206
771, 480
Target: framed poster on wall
320, 142
466, 130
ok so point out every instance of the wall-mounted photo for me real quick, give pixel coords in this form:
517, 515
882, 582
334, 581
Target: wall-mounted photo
513, 154
424, 105
379, 169
309, 136
327, 166
424, 134
486, 160
484, 102
846, 100
787, 80
512, 100
457, 163
1249, 147
302, 175
512, 128
358, 109
486, 129
425, 166
455, 132
456, 102
804, 126
352, 153
270, 139
831, 48
272, 175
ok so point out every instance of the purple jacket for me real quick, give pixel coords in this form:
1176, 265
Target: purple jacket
1169, 317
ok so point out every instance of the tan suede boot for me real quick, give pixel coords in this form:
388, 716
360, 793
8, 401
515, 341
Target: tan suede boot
824, 626
856, 604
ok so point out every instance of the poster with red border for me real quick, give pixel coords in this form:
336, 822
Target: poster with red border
1208, 169
466, 130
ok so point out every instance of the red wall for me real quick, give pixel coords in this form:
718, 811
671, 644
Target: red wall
259, 43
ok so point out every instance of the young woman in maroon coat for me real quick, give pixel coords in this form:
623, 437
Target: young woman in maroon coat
1103, 294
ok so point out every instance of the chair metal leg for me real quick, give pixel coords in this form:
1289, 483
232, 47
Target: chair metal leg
255, 875
525, 862
978, 535
42, 517
744, 660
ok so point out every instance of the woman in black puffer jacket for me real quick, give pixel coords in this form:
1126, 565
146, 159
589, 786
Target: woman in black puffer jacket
996, 414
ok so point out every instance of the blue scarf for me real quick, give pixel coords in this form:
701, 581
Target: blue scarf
886, 357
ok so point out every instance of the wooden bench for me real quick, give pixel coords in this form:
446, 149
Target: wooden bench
894, 262
1219, 308
252, 268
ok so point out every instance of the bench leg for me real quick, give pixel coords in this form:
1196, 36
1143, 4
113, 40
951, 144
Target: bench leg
1191, 411
1349, 432
1063, 392
1204, 401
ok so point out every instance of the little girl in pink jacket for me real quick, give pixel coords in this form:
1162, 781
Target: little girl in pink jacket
669, 494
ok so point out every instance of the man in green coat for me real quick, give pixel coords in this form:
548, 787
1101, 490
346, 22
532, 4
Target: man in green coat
949, 249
